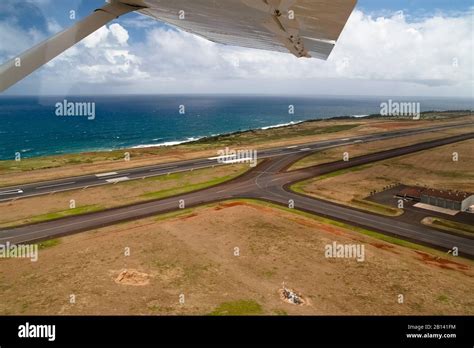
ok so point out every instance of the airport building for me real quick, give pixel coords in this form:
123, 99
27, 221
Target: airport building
454, 200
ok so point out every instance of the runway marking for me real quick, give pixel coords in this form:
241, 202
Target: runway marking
237, 160
106, 174
292, 147
116, 180
11, 192
305, 149
55, 185
45, 193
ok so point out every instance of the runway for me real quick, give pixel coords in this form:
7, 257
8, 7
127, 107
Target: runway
268, 181
110, 178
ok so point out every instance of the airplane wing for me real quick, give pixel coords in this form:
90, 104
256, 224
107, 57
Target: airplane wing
306, 28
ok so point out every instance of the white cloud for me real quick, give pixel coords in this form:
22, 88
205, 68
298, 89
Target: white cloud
107, 36
370, 48
99, 37
102, 58
391, 48
432, 56
119, 33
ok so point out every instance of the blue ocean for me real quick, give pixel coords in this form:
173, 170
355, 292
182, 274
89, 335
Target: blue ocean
31, 126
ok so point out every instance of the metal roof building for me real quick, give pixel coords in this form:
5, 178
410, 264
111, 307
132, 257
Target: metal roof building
454, 200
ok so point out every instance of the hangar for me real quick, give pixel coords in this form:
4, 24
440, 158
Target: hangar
454, 200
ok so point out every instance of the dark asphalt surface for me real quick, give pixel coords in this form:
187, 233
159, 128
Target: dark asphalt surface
86, 181
268, 181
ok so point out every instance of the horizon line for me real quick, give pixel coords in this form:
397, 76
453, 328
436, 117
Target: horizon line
235, 95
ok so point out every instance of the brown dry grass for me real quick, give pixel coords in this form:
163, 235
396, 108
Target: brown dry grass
432, 168
336, 154
193, 254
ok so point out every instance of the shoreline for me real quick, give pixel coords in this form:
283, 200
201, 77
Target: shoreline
295, 123
197, 139
216, 137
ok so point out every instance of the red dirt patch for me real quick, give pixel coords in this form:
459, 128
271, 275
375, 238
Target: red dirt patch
235, 204
250, 205
385, 247
441, 263
185, 217
305, 222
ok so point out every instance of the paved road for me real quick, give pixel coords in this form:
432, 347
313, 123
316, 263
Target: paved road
86, 181
268, 181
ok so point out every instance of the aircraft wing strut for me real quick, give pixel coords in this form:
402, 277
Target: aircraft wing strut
21, 66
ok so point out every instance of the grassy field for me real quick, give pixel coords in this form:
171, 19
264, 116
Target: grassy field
170, 259
433, 168
48, 243
302, 187
269, 136
336, 154
373, 234
46, 168
449, 226
241, 307
189, 187
49, 207
63, 213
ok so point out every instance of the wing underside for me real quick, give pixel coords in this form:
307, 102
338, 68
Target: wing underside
306, 28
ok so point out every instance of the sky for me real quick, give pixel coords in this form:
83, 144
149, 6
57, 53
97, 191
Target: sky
388, 47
